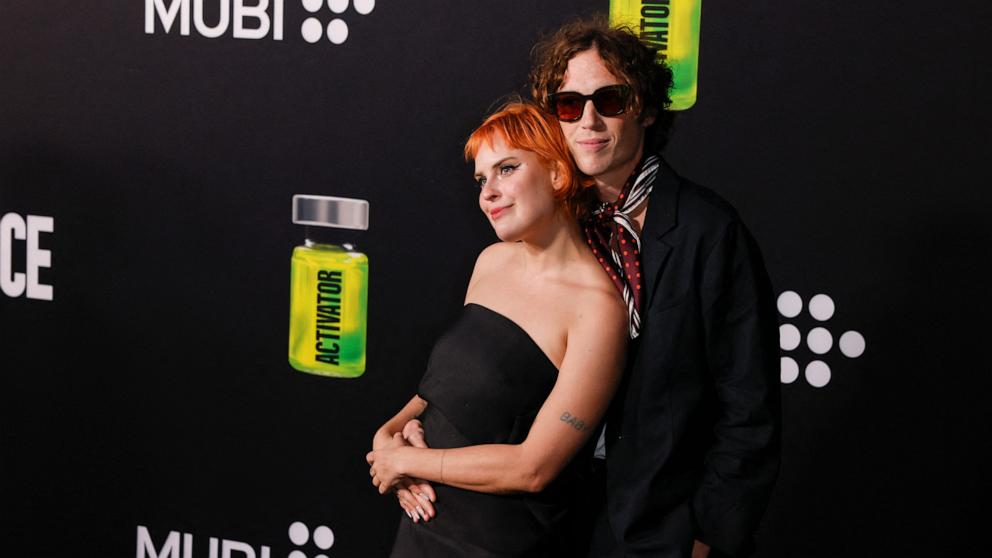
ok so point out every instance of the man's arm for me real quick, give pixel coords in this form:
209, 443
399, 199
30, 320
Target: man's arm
741, 332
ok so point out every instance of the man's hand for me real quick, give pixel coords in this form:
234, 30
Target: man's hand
700, 549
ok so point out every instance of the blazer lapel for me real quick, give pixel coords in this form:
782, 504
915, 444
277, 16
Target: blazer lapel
660, 218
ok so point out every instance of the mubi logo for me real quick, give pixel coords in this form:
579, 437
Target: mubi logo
14, 227
176, 547
299, 534
819, 340
248, 19
250, 22
180, 545
337, 30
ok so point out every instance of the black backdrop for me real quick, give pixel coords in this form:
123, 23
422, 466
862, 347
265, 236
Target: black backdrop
152, 394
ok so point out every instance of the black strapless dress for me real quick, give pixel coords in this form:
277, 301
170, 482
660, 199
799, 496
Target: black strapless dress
485, 382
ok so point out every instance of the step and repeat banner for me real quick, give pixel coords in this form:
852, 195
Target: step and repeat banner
149, 155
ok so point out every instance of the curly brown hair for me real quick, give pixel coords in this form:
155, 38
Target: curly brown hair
625, 56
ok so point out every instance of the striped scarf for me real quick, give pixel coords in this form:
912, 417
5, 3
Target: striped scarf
615, 241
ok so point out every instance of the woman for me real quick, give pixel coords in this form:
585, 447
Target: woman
515, 387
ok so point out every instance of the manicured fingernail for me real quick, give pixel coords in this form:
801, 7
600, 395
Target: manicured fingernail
408, 514
423, 514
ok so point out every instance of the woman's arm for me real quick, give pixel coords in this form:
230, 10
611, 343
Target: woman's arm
416, 496
587, 379
410, 411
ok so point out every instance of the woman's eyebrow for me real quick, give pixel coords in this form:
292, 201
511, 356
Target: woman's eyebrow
496, 164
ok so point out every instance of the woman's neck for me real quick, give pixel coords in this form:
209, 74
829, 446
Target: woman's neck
560, 244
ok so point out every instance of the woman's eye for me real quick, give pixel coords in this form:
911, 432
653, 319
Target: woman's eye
507, 169
480, 182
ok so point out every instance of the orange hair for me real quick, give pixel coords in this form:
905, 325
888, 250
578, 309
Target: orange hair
523, 125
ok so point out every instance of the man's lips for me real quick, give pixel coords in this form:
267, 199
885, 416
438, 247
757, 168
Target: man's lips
592, 144
495, 212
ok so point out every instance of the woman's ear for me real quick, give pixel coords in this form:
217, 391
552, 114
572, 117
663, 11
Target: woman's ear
557, 176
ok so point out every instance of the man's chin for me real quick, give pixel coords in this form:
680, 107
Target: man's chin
593, 166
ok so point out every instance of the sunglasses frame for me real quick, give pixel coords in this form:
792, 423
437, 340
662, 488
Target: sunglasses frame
622, 88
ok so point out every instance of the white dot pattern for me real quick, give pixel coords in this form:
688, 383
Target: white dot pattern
364, 7
790, 370
788, 337
818, 373
311, 30
298, 533
819, 339
323, 537
852, 344
337, 30
790, 304
821, 307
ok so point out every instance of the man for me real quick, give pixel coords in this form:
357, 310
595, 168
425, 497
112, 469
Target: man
692, 439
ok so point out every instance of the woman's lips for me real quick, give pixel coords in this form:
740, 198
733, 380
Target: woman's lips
494, 213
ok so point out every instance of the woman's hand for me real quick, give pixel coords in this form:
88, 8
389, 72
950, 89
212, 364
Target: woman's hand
386, 462
414, 500
415, 497
413, 432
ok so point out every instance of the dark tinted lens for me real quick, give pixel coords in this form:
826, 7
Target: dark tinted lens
610, 101
568, 106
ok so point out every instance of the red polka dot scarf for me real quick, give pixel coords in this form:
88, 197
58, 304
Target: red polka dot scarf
615, 240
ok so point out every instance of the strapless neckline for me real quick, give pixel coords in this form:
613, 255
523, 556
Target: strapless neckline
519, 329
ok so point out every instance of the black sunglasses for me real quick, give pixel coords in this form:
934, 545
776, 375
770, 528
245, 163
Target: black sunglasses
609, 101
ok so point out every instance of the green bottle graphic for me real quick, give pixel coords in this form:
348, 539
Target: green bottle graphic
328, 288
672, 27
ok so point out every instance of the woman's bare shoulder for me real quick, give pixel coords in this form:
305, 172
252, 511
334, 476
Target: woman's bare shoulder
494, 255
487, 265
595, 298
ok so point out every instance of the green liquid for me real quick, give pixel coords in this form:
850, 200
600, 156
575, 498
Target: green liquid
328, 310
672, 27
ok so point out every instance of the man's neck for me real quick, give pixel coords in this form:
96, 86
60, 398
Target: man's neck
611, 183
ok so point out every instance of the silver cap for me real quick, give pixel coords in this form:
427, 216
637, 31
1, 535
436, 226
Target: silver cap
327, 211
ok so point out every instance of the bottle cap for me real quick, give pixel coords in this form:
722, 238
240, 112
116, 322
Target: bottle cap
327, 211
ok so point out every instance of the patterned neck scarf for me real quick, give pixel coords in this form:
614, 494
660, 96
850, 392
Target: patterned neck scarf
615, 241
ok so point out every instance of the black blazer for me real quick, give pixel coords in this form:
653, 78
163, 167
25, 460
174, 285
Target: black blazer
693, 434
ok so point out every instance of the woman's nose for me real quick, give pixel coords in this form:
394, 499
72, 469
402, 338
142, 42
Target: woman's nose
490, 191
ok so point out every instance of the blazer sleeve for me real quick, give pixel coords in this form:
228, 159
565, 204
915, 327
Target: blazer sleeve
741, 340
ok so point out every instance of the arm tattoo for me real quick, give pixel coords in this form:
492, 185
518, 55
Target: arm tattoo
573, 421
